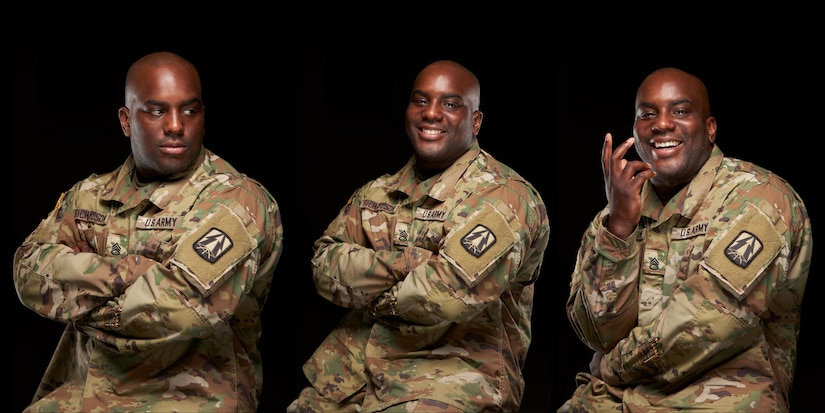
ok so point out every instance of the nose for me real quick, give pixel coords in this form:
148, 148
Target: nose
174, 123
432, 111
663, 122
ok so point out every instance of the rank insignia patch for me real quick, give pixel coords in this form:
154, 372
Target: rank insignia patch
115, 244
213, 245
479, 240
743, 249
654, 264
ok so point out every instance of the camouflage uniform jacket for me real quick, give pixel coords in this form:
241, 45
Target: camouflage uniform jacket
700, 306
439, 275
165, 313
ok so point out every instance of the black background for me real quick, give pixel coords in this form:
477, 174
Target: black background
311, 104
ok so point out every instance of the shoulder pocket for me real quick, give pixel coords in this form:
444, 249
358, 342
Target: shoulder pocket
478, 243
740, 255
216, 246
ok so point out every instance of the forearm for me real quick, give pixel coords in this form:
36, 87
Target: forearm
62, 285
351, 275
162, 306
189, 297
455, 285
694, 333
603, 301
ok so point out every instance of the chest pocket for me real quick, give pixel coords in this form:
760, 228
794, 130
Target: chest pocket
425, 231
651, 285
154, 236
93, 225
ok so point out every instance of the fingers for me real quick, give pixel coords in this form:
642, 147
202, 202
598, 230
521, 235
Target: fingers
622, 149
82, 246
614, 159
644, 174
607, 151
636, 173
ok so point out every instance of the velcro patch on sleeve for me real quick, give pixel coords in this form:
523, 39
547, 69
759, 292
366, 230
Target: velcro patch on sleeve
213, 249
740, 255
478, 244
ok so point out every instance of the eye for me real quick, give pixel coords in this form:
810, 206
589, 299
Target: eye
156, 112
190, 111
647, 115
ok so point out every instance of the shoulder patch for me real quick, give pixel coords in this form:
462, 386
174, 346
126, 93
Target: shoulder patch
212, 245
213, 249
740, 255
477, 245
743, 249
478, 240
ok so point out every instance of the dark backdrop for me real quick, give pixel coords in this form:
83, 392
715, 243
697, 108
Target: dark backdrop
312, 105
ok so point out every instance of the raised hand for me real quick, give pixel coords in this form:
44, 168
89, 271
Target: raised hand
623, 181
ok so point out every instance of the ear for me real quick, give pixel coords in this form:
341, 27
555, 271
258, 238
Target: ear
124, 115
478, 116
710, 125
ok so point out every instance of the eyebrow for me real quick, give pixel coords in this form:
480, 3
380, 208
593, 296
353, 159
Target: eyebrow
671, 103
680, 101
443, 96
154, 102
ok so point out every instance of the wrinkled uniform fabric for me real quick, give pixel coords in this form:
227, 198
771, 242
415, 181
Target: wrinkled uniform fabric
699, 308
440, 276
165, 313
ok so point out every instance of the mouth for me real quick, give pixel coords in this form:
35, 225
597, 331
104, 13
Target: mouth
665, 144
172, 150
664, 148
430, 132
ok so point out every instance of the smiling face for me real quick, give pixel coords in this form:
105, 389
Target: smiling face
163, 116
673, 128
442, 117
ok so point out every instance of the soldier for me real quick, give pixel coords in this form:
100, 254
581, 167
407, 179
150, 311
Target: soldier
159, 269
437, 263
688, 284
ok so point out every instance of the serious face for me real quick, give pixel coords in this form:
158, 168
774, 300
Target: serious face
164, 119
442, 117
673, 128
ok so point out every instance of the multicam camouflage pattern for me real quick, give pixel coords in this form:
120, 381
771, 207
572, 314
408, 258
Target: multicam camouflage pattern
700, 307
439, 275
165, 314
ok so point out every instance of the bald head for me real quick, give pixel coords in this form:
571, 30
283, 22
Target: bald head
671, 78
460, 76
175, 65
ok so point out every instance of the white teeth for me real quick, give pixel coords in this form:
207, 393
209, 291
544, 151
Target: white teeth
431, 131
669, 144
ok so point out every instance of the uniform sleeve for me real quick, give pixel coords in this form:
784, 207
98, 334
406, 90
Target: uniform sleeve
603, 303
54, 281
352, 267
227, 250
758, 261
494, 240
